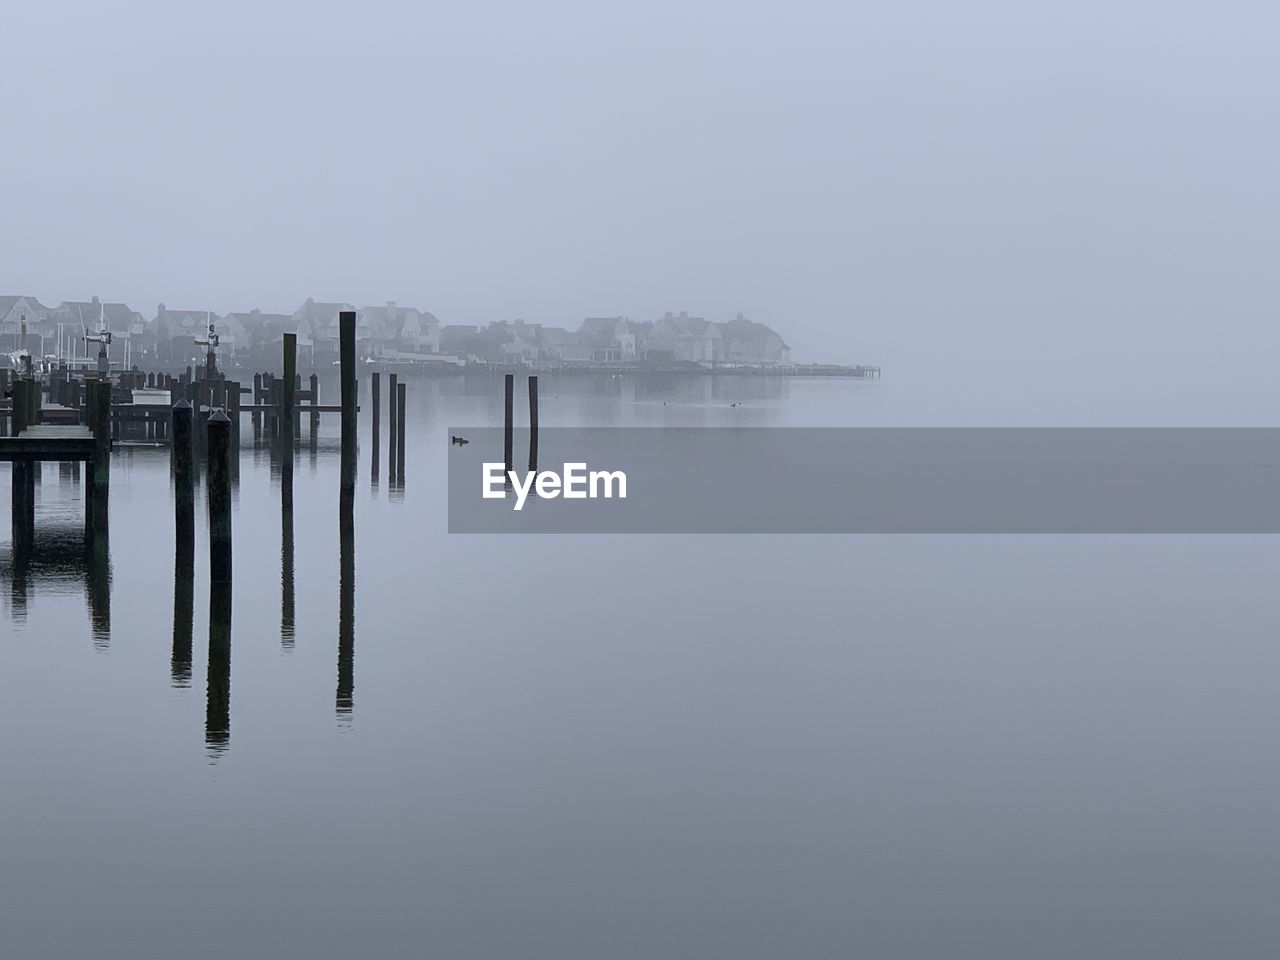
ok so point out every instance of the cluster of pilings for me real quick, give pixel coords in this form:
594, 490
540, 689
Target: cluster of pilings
201, 425
221, 452
508, 422
396, 392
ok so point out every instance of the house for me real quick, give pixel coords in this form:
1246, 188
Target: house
261, 330
131, 337
316, 324
468, 342
176, 332
746, 341
615, 339
14, 311
401, 328
557, 343
686, 339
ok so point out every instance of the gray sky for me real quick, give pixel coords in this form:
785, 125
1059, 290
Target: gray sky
943, 180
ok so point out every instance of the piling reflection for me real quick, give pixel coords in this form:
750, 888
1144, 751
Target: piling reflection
182, 475
346, 607
218, 488
287, 611
217, 721
53, 557
184, 573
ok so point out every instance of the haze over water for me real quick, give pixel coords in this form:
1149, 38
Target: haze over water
638, 746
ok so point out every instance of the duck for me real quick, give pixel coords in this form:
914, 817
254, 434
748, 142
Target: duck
458, 440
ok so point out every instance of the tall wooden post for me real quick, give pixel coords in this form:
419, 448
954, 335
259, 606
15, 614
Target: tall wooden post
400, 423
376, 399
347, 367
391, 428
257, 399
533, 424
97, 494
22, 480
289, 399
508, 419
218, 482
346, 516
315, 401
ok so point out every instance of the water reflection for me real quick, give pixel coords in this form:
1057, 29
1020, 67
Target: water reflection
217, 721
53, 554
346, 608
184, 573
287, 608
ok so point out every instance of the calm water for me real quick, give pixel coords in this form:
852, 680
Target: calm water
637, 746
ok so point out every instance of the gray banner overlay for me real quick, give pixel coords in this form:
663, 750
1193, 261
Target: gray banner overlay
885, 480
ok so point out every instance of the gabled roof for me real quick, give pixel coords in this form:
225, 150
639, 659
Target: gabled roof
740, 328
118, 316
7, 303
320, 310
256, 320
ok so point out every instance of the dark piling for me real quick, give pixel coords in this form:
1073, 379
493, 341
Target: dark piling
533, 424
508, 419
400, 427
376, 398
391, 428
347, 367
98, 472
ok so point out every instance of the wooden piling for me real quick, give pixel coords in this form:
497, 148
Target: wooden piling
508, 419
376, 397
288, 398
218, 482
400, 427
391, 427
257, 399
315, 401
347, 367
98, 472
533, 424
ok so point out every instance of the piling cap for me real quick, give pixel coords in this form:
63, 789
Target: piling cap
182, 405
219, 417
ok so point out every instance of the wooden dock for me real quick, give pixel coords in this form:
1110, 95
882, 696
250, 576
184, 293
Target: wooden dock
58, 443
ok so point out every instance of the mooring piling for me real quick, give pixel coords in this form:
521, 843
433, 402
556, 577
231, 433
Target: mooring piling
376, 397
98, 472
218, 484
533, 424
508, 417
400, 426
315, 414
391, 428
289, 382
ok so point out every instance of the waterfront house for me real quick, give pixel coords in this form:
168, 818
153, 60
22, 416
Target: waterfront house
745, 341
393, 327
687, 339
132, 340
14, 310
